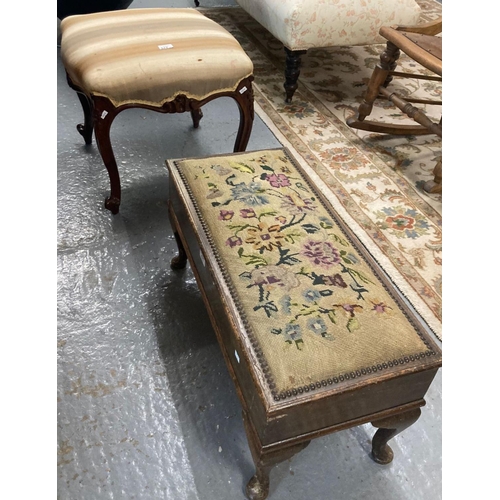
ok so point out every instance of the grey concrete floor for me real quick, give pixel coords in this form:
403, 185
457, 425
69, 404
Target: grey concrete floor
146, 407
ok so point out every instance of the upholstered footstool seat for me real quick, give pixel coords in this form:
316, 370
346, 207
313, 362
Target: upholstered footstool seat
305, 24
167, 60
314, 334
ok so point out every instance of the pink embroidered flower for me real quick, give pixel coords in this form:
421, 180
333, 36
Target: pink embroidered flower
380, 307
281, 219
247, 213
279, 180
226, 215
348, 309
234, 241
321, 253
271, 277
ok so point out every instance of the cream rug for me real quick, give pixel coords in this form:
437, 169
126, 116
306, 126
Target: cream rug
374, 181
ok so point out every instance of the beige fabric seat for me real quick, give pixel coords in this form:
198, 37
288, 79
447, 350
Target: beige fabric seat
305, 24
168, 60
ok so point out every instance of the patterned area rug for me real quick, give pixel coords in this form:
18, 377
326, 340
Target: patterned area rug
374, 181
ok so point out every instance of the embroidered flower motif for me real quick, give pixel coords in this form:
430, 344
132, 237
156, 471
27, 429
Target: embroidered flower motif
285, 303
317, 325
292, 333
272, 277
226, 215
311, 295
380, 307
296, 205
279, 180
321, 253
234, 241
251, 194
264, 237
299, 268
221, 170
349, 309
248, 213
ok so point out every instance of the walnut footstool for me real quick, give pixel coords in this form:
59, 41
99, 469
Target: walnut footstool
315, 336
166, 60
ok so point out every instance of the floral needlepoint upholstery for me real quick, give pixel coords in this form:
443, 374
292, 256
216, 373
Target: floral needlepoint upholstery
306, 291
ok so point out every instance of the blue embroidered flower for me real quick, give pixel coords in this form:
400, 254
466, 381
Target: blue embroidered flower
317, 325
311, 295
285, 303
292, 333
251, 194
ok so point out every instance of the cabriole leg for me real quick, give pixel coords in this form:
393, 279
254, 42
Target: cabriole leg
387, 429
258, 486
86, 128
104, 114
244, 97
180, 260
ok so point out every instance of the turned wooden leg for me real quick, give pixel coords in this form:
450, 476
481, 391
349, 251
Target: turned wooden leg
196, 115
180, 260
389, 60
387, 429
292, 71
245, 100
436, 185
264, 460
104, 114
87, 127
380, 77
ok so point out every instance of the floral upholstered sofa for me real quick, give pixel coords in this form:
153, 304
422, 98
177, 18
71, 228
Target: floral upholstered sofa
304, 24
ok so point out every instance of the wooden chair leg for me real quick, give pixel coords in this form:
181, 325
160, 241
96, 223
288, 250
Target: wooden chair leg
180, 260
244, 98
196, 115
104, 114
389, 60
387, 429
87, 127
436, 185
292, 71
258, 486
380, 77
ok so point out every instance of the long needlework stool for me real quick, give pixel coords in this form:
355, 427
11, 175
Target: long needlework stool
315, 336
167, 60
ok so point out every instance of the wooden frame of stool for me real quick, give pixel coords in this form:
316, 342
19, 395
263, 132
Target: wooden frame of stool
389, 397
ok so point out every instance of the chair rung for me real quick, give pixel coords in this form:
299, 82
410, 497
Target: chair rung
417, 114
417, 76
416, 101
